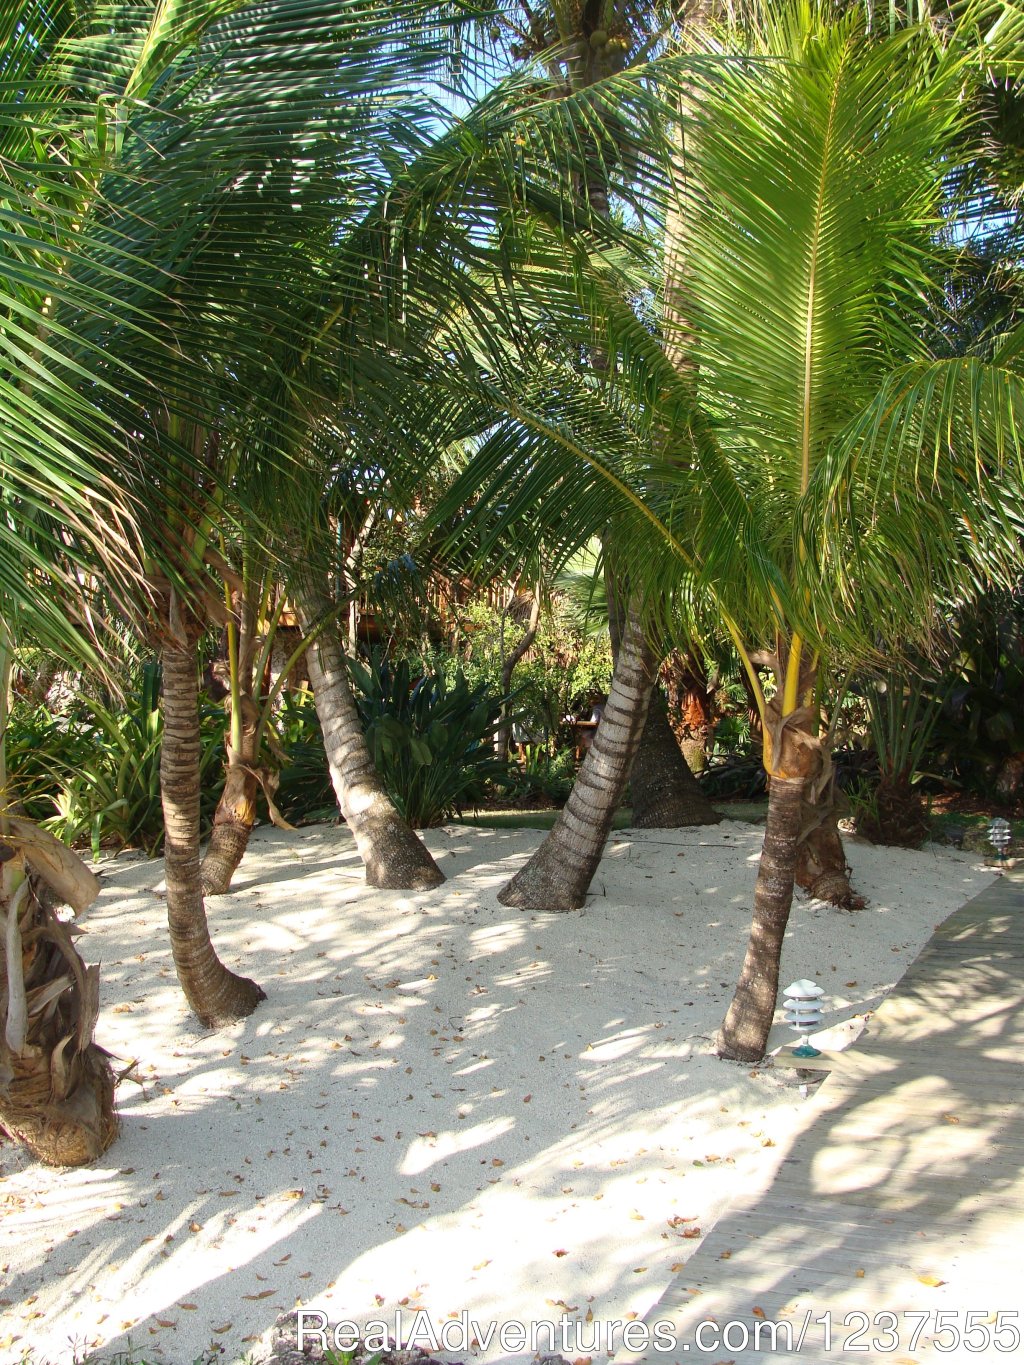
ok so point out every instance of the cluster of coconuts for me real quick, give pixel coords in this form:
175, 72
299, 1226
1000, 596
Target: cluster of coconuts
614, 42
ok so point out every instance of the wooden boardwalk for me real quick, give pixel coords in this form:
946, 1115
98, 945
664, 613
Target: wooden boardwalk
905, 1196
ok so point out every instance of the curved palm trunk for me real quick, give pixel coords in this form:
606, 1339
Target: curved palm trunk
236, 810
795, 761
665, 794
559, 874
393, 855
745, 1031
821, 869
216, 995
232, 825
56, 1084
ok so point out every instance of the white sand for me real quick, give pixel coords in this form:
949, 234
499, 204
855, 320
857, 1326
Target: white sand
443, 1104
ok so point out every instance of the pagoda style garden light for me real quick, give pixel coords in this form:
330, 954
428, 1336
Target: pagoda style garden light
803, 1013
1000, 836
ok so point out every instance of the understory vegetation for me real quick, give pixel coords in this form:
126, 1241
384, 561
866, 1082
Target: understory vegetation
912, 748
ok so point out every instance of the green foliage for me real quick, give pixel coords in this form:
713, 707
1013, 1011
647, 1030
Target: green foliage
306, 793
95, 774
41, 746
542, 776
981, 731
564, 666
814, 470
862, 799
351, 1357
430, 739
902, 712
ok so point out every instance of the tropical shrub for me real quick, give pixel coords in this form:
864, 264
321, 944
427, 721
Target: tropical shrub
564, 666
902, 712
94, 775
980, 734
542, 776
431, 739
305, 793
42, 747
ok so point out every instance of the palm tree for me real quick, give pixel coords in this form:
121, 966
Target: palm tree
559, 873
253, 616
65, 516
200, 160
820, 473
582, 49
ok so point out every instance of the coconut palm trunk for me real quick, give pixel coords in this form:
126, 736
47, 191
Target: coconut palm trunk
236, 810
56, 1084
393, 856
216, 995
665, 794
250, 743
822, 870
559, 874
235, 815
745, 1031
793, 758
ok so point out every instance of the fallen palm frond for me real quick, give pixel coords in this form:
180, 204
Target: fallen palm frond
56, 1083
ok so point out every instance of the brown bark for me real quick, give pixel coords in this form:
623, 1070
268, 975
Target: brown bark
821, 868
559, 874
665, 793
232, 825
393, 856
236, 810
745, 1031
216, 995
692, 712
56, 1084
795, 760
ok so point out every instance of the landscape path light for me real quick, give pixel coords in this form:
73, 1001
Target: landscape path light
999, 835
803, 1013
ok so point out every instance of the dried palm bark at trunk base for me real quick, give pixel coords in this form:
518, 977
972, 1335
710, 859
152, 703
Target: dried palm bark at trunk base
665, 793
821, 868
559, 874
56, 1084
692, 709
394, 857
217, 996
61, 1130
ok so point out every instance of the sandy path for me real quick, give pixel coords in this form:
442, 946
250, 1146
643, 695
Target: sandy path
443, 1104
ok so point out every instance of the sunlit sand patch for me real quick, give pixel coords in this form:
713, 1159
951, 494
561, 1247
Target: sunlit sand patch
441, 1104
